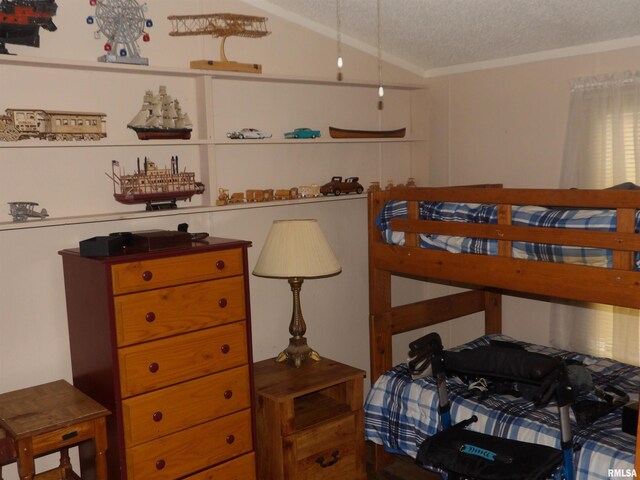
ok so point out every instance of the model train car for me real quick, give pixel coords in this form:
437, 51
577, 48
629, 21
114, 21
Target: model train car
18, 124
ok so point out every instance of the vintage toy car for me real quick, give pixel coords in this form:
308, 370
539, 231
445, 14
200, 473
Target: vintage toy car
302, 133
248, 133
337, 186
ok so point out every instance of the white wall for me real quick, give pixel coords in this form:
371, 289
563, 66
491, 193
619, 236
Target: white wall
34, 344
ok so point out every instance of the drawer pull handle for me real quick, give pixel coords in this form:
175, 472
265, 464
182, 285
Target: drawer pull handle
228, 394
225, 348
150, 317
147, 275
160, 464
220, 264
222, 303
333, 461
157, 416
154, 367
69, 436
230, 439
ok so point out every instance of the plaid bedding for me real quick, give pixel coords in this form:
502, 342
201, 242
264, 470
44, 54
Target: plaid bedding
592, 219
400, 413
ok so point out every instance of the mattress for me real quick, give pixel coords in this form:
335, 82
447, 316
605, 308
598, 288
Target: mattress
528, 215
401, 412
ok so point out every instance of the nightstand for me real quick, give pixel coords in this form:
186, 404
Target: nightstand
309, 421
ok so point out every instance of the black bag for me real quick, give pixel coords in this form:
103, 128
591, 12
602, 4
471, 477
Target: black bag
472, 454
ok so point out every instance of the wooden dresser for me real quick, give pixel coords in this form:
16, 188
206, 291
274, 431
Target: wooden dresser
163, 340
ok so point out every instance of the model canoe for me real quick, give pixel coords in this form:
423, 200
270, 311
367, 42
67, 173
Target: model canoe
349, 133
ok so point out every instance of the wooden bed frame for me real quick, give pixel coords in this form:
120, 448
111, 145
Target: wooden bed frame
500, 274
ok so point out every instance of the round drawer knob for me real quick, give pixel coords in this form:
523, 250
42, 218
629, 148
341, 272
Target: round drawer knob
228, 394
157, 416
150, 317
147, 275
220, 264
230, 439
222, 303
225, 348
154, 367
160, 464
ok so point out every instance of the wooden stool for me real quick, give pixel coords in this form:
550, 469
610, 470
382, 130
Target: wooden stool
48, 418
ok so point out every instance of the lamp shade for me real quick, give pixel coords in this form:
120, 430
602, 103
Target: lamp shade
296, 248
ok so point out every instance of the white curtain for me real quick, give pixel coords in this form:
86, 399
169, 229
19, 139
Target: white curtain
602, 149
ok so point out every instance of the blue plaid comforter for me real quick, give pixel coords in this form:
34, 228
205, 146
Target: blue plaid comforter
592, 219
400, 413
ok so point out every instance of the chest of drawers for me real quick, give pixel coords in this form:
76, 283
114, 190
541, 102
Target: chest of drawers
162, 339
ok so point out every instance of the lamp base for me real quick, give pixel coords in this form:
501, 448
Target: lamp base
297, 352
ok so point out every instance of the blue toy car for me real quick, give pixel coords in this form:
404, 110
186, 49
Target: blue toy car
302, 133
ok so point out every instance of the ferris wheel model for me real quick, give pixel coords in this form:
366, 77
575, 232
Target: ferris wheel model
122, 23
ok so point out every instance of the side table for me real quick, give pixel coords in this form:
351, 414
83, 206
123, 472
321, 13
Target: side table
309, 421
53, 417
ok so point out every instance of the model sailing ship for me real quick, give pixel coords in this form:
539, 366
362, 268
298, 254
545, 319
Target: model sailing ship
151, 184
161, 118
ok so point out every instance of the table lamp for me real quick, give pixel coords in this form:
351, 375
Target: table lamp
295, 250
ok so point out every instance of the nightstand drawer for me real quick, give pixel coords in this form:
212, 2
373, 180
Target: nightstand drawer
327, 451
191, 450
174, 408
242, 468
161, 363
169, 311
165, 272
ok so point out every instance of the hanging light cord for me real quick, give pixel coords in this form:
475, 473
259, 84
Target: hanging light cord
339, 38
380, 87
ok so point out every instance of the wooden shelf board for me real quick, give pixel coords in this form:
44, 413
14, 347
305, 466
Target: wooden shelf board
270, 141
188, 72
120, 216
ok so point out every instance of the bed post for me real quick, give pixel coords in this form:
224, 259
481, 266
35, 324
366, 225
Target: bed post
492, 312
379, 315
379, 298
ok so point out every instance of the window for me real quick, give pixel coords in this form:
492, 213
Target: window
602, 149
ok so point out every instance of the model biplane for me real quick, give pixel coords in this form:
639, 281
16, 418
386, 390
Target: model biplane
220, 25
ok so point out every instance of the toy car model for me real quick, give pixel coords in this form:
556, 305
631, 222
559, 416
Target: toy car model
302, 133
337, 186
248, 133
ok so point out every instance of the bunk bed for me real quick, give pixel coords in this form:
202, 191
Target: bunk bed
529, 242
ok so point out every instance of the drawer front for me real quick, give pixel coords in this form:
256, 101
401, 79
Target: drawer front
243, 468
327, 451
152, 365
191, 450
159, 413
145, 316
63, 437
165, 272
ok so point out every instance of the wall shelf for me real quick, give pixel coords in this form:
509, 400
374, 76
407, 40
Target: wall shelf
217, 102
26, 61
114, 217
271, 141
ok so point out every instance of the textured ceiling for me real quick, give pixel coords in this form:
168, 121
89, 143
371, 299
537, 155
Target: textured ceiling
434, 34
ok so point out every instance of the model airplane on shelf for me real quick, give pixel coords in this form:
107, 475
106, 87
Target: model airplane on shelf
22, 211
20, 21
223, 25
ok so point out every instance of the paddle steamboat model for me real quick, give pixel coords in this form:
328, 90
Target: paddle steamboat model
153, 185
20, 21
161, 118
